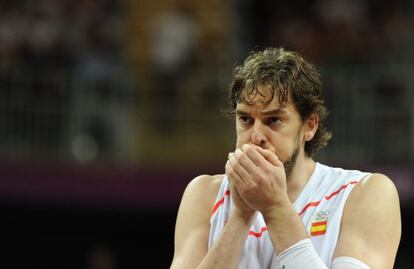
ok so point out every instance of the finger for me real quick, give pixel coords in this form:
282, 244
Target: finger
232, 174
235, 193
253, 154
269, 156
238, 167
245, 162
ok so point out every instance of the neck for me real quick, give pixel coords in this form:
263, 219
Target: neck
299, 176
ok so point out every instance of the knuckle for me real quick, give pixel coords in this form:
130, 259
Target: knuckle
266, 171
229, 170
235, 164
242, 158
243, 190
238, 152
250, 151
231, 173
262, 178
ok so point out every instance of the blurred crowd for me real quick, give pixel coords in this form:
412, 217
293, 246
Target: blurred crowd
136, 81
335, 31
55, 53
50, 38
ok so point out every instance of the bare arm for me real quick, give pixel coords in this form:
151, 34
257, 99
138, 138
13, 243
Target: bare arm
226, 251
262, 185
371, 223
193, 226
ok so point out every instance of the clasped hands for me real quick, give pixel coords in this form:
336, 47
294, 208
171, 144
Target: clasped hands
257, 180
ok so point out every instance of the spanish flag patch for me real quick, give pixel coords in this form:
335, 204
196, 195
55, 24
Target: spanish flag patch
319, 223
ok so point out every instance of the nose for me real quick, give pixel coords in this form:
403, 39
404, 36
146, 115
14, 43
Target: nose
258, 135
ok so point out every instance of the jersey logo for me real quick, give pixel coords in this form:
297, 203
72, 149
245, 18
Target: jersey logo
319, 223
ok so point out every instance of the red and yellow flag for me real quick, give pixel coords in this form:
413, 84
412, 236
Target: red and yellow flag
318, 228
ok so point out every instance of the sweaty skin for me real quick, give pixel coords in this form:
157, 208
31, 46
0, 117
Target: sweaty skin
266, 173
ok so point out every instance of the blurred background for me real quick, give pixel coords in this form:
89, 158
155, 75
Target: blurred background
109, 108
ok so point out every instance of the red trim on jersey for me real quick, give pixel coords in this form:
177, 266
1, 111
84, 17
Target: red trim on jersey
309, 205
220, 202
340, 189
327, 197
259, 234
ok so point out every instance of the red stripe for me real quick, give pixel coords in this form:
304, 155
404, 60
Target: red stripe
220, 202
316, 203
319, 223
341, 188
259, 234
309, 205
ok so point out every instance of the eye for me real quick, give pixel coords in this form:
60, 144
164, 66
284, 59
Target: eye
274, 120
245, 120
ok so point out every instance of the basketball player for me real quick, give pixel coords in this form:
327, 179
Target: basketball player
276, 207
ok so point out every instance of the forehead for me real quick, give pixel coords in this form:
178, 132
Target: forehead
264, 97
263, 107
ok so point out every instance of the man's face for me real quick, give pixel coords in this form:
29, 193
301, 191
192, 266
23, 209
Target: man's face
272, 126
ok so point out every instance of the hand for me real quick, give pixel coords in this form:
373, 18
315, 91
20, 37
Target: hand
259, 176
240, 207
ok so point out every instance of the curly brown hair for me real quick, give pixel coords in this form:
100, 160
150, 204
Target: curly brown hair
291, 78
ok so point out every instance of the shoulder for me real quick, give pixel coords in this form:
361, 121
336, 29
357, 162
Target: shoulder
209, 181
203, 189
373, 188
374, 198
192, 225
371, 222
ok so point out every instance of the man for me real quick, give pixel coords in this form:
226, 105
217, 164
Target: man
276, 207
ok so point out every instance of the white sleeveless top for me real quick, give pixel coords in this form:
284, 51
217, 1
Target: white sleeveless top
320, 206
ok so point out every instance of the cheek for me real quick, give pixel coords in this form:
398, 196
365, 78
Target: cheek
241, 140
283, 146
243, 137
283, 152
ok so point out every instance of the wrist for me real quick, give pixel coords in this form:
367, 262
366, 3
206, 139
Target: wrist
285, 226
247, 215
276, 210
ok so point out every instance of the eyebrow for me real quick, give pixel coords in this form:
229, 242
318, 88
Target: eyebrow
274, 111
266, 113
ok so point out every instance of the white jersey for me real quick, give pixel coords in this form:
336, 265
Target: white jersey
320, 206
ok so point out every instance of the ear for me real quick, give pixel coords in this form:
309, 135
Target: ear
310, 127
